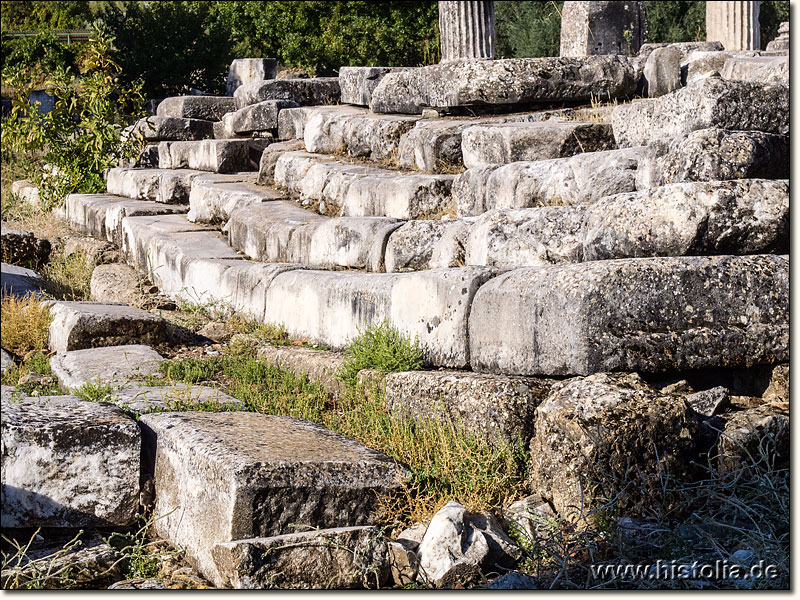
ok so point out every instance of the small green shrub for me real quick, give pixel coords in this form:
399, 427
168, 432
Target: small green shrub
380, 347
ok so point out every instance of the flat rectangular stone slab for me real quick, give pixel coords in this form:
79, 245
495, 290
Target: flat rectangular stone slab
80, 325
358, 83
292, 121
168, 186
137, 231
213, 199
218, 156
705, 103
431, 244
238, 475
19, 281
331, 308
68, 463
262, 116
139, 400
305, 92
157, 128
496, 407
513, 142
210, 108
320, 366
113, 365
646, 315
514, 81
330, 559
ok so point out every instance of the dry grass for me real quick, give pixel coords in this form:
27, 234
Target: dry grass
69, 277
25, 323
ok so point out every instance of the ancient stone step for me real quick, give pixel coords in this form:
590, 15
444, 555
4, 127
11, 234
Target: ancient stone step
512, 142
350, 190
506, 82
157, 128
580, 179
714, 155
80, 325
420, 245
348, 302
139, 400
115, 282
746, 216
262, 116
305, 92
214, 198
210, 108
632, 315
218, 156
704, 103
762, 69
292, 121
168, 186
19, 281
319, 366
496, 407
246, 70
282, 232
68, 463
221, 477
101, 215
358, 83
137, 230
113, 365
340, 558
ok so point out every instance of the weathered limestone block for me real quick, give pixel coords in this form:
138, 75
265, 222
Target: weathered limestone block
239, 475
782, 41
496, 407
22, 248
749, 431
101, 215
111, 365
403, 196
159, 185
305, 92
139, 400
68, 463
248, 70
214, 199
7, 361
714, 155
219, 156
513, 142
417, 244
734, 24
358, 83
526, 237
778, 387
285, 233
320, 366
331, 307
270, 156
662, 72
27, 191
173, 128
292, 167
608, 436
19, 281
433, 146
137, 232
632, 315
590, 28
581, 179
466, 30
747, 216
79, 325
341, 558
208, 108
292, 121
98, 252
705, 103
459, 544
763, 69
510, 81
703, 63
261, 116
114, 283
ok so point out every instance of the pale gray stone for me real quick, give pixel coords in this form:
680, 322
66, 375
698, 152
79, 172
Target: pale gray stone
702, 63
708, 403
705, 103
591, 28
159, 185
495, 407
401, 196
746, 216
341, 558
270, 156
292, 121
513, 142
80, 325
433, 146
111, 365
20, 282
466, 30
137, 231
7, 361
27, 191
530, 517
750, 436
714, 155
608, 436
292, 167
248, 70
358, 83
513, 81
662, 71
68, 463
239, 475
140, 400
782, 41
219, 156
262, 116
98, 252
420, 244
213, 199
526, 237
762, 69
685, 49
332, 307
632, 315
305, 92
172, 128
581, 179
456, 538
734, 24
208, 108
320, 366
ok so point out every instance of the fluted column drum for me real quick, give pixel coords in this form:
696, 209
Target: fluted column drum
466, 30
734, 24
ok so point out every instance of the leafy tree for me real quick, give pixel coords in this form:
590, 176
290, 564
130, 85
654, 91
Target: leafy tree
43, 15
771, 15
528, 29
171, 46
676, 21
37, 56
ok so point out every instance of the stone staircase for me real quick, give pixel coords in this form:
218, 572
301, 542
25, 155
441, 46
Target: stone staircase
518, 247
